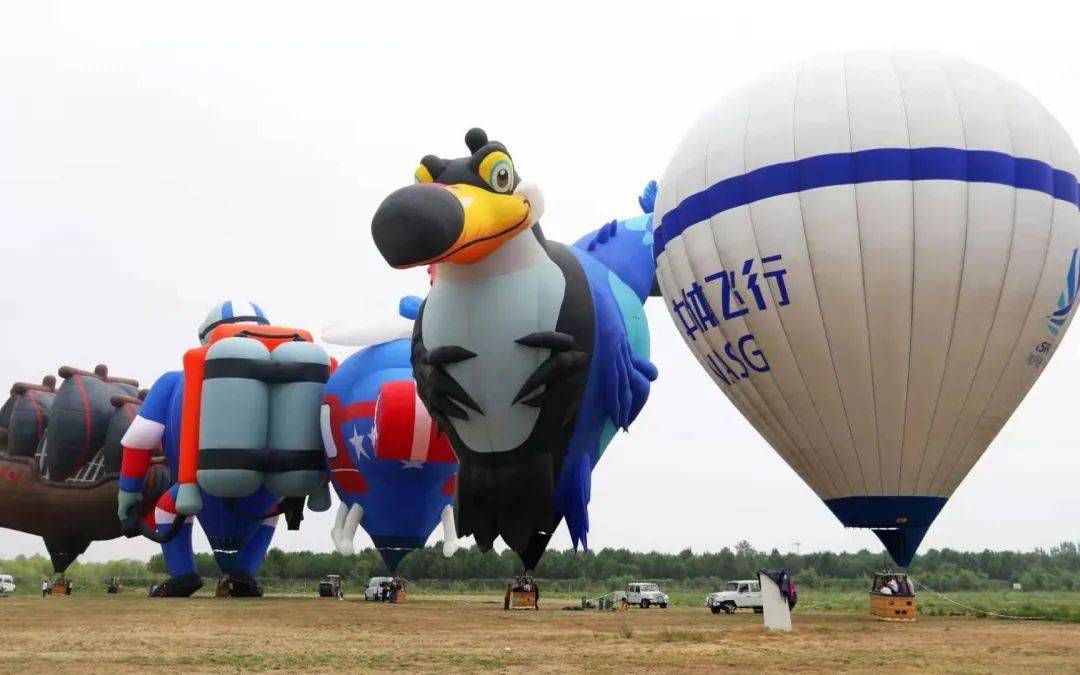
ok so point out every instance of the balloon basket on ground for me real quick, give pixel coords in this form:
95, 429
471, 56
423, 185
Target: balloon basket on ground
237, 585
523, 600
522, 594
60, 588
891, 607
222, 589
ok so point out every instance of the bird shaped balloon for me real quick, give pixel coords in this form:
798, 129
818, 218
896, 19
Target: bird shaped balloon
528, 353
874, 256
392, 469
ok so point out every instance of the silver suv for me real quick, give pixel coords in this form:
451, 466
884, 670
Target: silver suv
645, 594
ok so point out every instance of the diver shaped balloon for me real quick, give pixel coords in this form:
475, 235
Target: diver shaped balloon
239, 427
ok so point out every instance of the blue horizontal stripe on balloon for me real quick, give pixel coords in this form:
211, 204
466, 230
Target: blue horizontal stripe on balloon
866, 166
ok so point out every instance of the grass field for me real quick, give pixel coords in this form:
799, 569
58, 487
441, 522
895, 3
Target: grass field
459, 633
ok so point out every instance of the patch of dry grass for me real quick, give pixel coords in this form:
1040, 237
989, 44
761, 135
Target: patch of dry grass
129, 633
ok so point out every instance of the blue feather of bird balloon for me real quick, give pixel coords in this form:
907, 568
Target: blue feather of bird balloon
618, 263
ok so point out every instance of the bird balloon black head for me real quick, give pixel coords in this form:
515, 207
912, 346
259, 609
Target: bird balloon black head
475, 139
465, 170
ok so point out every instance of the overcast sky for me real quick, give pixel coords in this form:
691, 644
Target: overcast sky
157, 158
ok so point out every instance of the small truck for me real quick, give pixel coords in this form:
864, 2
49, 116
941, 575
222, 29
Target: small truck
645, 594
736, 594
330, 587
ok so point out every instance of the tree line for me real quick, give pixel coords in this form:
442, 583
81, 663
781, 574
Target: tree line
1055, 569
942, 569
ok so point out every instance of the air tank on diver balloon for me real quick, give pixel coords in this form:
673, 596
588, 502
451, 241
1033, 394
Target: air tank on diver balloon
874, 256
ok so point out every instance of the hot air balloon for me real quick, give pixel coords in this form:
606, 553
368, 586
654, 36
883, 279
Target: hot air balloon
529, 354
71, 511
874, 256
392, 469
239, 427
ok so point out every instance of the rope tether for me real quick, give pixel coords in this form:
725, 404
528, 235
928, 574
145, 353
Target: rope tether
975, 609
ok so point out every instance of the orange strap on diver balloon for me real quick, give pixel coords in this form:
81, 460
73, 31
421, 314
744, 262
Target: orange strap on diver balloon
194, 368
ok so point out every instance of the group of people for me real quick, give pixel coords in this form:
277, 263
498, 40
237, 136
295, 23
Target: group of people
388, 590
62, 585
521, 584
894, 585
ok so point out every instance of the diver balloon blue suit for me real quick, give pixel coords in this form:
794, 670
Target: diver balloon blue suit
239, 530
528, 353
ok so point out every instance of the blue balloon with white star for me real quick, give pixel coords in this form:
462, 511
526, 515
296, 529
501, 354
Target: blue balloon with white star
395, 477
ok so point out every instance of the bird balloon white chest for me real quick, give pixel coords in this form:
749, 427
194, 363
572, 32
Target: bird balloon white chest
485, 308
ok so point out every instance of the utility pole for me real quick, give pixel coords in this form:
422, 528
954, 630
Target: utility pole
797, 545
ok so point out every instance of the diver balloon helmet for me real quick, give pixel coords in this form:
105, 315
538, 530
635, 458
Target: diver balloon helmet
231, 311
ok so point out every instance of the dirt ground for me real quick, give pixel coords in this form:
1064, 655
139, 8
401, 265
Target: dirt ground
132, 633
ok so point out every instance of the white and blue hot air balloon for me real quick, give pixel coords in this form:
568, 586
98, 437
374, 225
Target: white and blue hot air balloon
874, 256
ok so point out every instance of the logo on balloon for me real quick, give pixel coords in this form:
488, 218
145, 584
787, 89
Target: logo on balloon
747, 358
1055, 322
695, 312
757, 282
1065, 300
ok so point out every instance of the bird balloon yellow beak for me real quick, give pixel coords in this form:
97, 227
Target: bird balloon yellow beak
459, 210
490, 220
431, 223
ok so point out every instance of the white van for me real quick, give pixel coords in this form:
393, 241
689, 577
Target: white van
375, 586
7, 584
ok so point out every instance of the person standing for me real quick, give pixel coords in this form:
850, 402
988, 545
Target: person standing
44, 587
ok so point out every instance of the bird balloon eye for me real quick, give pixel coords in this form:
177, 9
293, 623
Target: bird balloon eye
501, 178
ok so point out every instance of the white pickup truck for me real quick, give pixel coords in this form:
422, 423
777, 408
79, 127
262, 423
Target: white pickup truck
644, 595
736, 594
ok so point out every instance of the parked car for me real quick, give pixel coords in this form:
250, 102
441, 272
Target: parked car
330, 587
645, 594
375, 587
744, 594
7, 584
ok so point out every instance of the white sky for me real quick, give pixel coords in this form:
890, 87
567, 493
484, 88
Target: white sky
157, 158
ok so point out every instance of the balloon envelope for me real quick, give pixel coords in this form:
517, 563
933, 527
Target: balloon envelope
874, 256
384, 454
